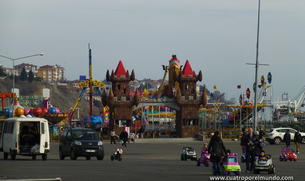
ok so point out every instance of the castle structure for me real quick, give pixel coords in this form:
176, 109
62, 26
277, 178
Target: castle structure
119, 97
187, 118
121, 103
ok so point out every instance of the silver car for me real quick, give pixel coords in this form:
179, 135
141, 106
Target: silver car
264, 164
276, 135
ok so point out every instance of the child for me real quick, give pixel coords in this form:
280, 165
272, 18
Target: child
262, 155
204, 148
225, 157
205, 156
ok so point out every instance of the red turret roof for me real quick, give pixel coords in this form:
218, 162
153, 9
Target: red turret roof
187, 70
120, 70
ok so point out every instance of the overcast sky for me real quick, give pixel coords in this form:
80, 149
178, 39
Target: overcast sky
218, 37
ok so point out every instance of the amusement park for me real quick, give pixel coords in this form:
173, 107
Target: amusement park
177, 107
169, 90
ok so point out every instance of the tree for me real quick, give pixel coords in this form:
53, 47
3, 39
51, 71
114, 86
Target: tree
38, 79
31, 76
23, 75
17, 78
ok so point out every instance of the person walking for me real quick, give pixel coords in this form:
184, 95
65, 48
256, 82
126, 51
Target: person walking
298, 140
261, 133
112, 134
251, 142
124, 136
287, 138
242, 140
105, 130
216, 149
141, 131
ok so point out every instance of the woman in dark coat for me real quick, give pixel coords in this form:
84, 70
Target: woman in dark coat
216, 148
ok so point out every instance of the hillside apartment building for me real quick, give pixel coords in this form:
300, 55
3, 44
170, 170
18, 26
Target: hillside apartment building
51, 73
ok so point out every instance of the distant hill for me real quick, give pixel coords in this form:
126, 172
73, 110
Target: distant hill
62, 97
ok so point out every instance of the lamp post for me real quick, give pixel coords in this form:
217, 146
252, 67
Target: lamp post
256, 69
13, 59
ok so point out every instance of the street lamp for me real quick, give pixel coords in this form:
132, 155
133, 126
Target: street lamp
256, 69
13, 59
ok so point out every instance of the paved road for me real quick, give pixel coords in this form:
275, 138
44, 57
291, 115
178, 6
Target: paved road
154, 159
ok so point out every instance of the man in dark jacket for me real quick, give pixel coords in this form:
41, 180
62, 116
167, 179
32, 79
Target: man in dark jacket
141, 131
251, 142
216, 148
124, 136
287, 138
298, 140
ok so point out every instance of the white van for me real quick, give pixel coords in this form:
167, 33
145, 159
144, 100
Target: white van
25, 136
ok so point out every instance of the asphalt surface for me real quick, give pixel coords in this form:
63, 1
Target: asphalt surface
147, 159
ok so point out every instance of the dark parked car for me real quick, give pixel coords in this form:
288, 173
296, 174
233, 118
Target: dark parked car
80, 142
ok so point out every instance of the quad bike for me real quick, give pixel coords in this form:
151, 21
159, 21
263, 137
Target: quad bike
117, 155
204, 158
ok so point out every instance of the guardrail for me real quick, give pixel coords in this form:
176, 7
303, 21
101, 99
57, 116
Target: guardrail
42, 179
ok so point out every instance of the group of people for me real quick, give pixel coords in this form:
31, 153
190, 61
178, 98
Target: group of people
249, 142
297, 139
123, 137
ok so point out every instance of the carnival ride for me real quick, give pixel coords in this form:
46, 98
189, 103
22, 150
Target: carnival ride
240, 115
285, 110
84, 85
174, 69
163, 80
166, 90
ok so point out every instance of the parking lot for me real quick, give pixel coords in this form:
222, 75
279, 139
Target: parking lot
147, 159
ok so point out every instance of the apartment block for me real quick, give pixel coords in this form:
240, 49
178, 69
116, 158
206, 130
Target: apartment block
27, 67
51, 73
